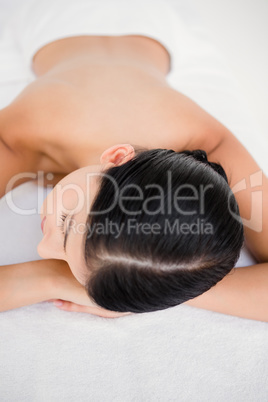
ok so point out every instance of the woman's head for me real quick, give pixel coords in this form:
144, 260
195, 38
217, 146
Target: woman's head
174, 235
163, 227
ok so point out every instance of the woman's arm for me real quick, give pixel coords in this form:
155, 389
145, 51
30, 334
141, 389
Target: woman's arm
250, 187
30, 282
242, 293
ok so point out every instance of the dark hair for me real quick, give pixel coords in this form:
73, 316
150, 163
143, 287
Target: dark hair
140, 272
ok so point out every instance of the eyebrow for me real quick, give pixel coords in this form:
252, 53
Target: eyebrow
67, 233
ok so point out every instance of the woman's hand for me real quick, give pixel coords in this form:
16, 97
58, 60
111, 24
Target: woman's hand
69, 306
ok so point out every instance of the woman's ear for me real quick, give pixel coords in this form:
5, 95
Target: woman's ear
118, 154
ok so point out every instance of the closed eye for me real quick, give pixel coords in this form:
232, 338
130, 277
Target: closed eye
63, 218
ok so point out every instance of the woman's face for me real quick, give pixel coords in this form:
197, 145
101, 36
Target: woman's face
67, 207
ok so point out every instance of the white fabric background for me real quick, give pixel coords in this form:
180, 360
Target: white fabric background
180, 354
240, 30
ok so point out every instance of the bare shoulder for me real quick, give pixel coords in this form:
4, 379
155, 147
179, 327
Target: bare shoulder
19, 166
192, 126
19, 160
15, 168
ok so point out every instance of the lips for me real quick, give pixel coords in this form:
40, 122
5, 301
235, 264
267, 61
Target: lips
42, 224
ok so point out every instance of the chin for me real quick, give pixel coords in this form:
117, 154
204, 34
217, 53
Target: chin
45, 251
42, 252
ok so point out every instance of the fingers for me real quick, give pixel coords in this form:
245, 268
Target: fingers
69, 306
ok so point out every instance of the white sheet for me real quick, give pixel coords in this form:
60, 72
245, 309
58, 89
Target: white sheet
179, 354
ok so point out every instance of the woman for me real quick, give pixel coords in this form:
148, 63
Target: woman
94, 98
